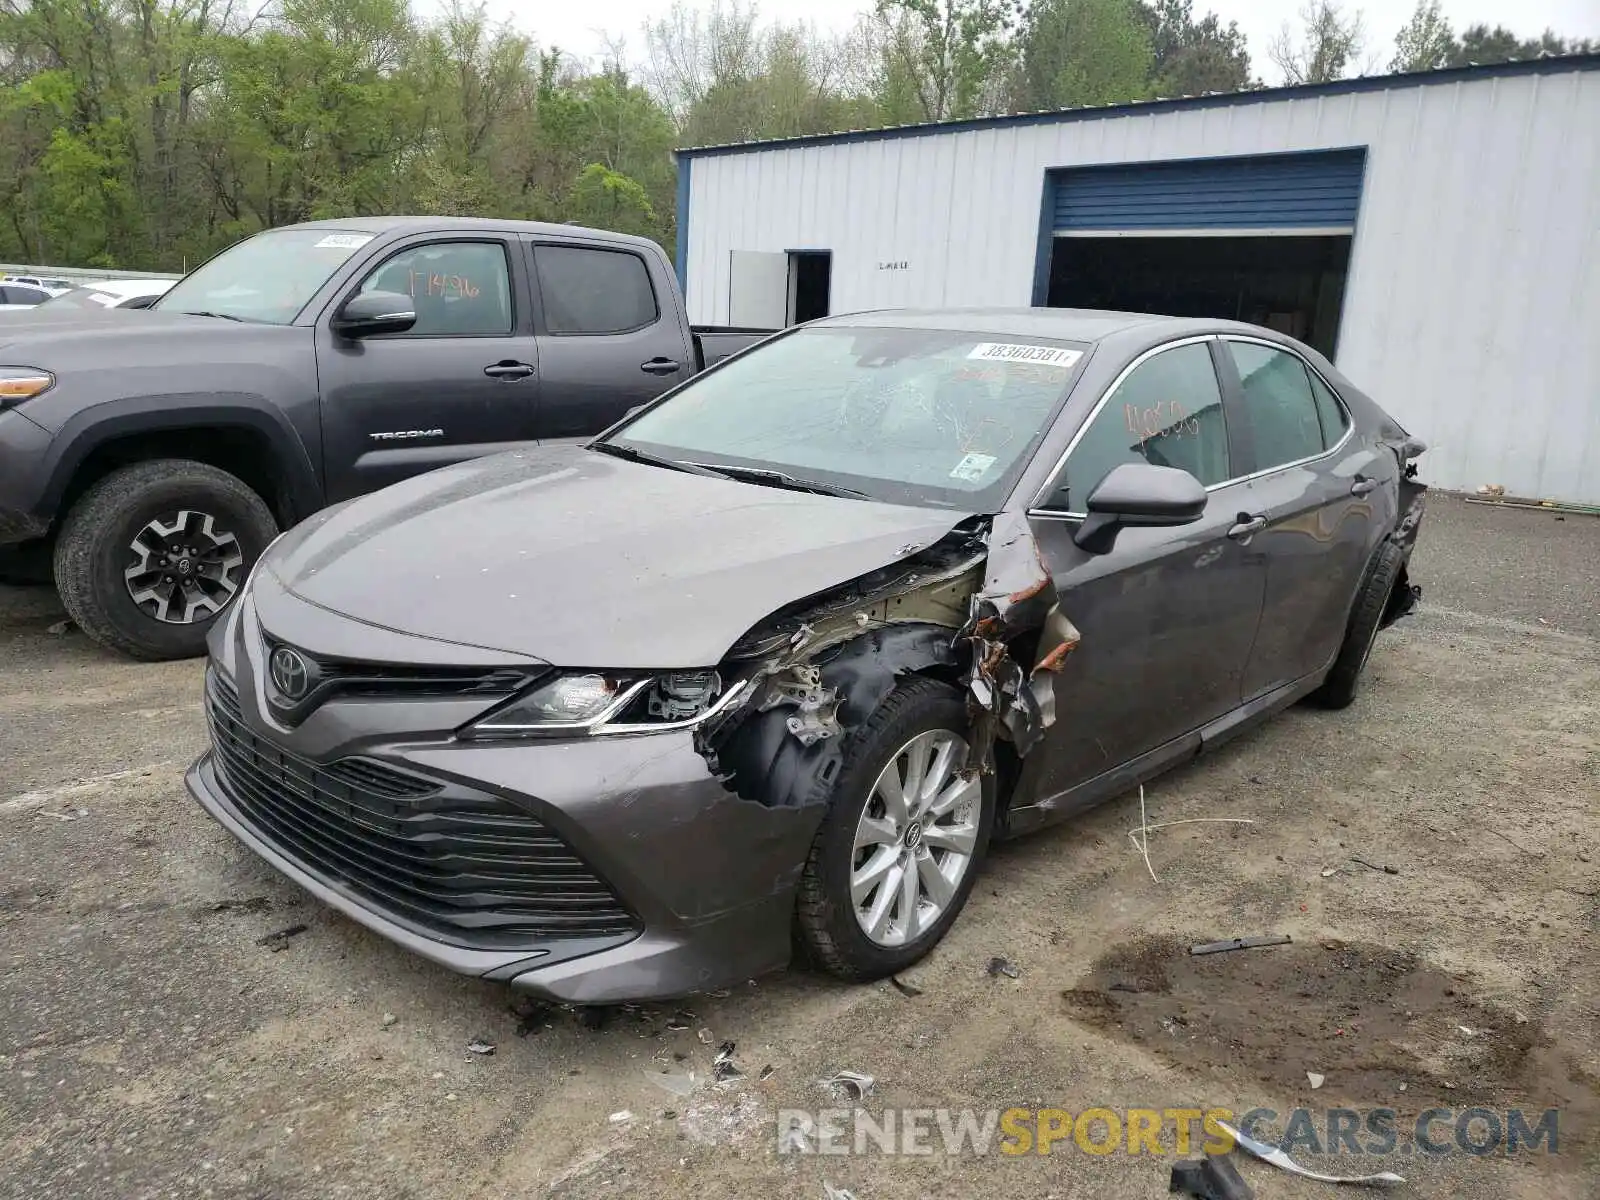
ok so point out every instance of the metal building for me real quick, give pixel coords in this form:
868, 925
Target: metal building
1438, 234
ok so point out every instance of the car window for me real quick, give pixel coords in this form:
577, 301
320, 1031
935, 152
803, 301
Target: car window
1330, 412
16, 294
460, 289
593, 291
941, 416
1284, 425
1167, 412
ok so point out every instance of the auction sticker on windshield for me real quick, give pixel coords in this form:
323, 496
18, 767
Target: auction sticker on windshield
1054, 356
972, 468
343, 241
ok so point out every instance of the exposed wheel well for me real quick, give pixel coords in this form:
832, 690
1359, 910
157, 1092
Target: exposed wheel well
236, 449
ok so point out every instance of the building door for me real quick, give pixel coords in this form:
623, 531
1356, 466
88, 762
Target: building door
1264, 239
775, 290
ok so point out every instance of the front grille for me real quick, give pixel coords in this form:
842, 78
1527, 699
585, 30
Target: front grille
351, 678
468, 868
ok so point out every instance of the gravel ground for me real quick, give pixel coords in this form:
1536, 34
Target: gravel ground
151, 1045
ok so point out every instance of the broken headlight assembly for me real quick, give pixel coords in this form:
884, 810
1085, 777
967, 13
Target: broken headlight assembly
581, 704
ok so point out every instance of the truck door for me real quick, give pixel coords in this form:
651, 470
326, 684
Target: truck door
460, 384
608, 339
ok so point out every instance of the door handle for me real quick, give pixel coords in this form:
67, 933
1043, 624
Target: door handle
1362, 485
510, 370
660, 366
1247, 526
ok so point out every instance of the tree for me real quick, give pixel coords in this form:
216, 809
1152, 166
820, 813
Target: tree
1426, 41
1076, 53
1480, 44
1193, 58
1330, 40
951, 54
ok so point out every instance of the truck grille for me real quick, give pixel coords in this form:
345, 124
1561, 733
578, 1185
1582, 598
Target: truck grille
466, 868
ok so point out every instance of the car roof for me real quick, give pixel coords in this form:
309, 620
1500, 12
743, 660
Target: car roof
424, 224
1130, 331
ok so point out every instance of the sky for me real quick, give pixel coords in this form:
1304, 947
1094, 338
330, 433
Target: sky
582, 28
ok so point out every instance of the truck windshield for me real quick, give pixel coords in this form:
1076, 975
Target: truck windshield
914, 416
266, 278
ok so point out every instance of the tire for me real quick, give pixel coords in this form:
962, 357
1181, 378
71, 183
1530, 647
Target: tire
1343, 679
826, 916
96, 551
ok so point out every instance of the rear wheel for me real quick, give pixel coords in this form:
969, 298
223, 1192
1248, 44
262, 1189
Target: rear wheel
150, 555
1339, 688
908, 822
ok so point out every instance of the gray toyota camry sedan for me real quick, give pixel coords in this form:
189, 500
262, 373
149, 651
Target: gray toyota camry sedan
771, 662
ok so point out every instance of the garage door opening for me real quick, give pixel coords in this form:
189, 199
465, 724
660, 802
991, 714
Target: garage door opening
1292, 284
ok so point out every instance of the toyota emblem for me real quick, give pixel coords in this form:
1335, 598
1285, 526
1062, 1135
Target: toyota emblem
291, 674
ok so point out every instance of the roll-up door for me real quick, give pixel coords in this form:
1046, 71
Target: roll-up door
1314, 193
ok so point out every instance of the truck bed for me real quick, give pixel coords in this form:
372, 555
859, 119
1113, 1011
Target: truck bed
713, 343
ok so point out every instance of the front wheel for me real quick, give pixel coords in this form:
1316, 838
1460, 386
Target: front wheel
908, 823
150, 555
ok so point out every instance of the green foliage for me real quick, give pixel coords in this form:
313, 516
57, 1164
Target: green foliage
1075, 53
150, 133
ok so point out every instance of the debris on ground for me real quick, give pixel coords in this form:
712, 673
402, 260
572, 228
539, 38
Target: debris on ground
1315, 1080
1141, 833
389, 1019
594, 1017
618, 1118
1002, 966
1516, 845
679, 1021
1372, 866
707, 1036
904, 988
1329, 872
1211, 1178
480, 1047
767, 1072
254, 904
829, 1192
60, 628
722, 1068
852, 1085
678, 1083
1275, 1156
74, 814
532, 1015
280, 940
1244, 943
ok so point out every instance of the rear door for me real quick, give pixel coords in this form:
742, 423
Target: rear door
460, 384
1319, 490
1168, 617
610, 335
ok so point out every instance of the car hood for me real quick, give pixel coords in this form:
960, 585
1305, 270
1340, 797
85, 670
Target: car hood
583, 560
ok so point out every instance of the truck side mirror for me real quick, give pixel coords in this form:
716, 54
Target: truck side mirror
368, 313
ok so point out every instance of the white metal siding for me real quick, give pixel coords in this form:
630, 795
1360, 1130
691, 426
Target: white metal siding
1473, 306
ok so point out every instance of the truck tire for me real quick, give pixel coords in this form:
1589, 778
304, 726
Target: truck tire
1339, 688
858, 930
150, 555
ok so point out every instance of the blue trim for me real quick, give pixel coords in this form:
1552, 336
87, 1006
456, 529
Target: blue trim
680, 254
1046, 248
1371, 83
1304, 189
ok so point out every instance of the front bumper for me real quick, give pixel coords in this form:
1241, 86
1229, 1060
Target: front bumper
705, 878
23, 448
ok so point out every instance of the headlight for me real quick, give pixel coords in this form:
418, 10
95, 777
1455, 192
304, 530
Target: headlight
584, 703
23, 383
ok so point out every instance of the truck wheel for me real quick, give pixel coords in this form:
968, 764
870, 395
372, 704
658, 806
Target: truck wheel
896, 857
151, 554
1339, 688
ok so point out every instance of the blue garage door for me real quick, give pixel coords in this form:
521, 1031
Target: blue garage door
1277, 193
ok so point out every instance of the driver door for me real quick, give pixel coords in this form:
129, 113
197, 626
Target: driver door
1169, 616
459, 384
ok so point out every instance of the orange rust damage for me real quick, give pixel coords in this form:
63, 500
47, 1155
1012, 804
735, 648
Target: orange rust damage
1029, 592
1053, 660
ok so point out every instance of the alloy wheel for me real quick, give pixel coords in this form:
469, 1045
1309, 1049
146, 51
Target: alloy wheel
182, 568
915, 840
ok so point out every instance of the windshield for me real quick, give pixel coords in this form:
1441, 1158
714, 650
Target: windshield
265, 278
915, 416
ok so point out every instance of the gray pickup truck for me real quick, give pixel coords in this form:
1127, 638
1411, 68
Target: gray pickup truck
150, 457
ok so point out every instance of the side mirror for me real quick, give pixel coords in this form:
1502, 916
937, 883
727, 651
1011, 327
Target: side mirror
369, 313
1139, 494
